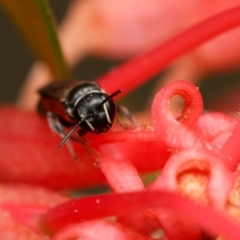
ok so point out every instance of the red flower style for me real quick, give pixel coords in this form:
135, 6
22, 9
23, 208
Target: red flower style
195, 196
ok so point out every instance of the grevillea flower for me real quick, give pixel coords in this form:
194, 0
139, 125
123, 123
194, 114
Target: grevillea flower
195, 196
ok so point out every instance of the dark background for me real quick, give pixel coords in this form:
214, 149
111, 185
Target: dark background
15, 57
16, 60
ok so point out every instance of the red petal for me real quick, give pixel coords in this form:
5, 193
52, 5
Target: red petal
21, 207
29, 152
92, 230
83, 209
10, 228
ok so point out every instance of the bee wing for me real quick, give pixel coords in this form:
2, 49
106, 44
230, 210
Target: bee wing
53, 95
58, 90
57, 94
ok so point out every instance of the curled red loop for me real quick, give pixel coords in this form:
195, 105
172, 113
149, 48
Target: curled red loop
177, 134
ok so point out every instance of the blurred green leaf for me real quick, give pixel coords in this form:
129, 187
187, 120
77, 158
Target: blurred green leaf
148, 178
35, 21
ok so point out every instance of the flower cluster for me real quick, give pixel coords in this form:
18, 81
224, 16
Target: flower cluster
195, 195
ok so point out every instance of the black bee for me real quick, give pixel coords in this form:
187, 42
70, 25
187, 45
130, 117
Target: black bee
78, 104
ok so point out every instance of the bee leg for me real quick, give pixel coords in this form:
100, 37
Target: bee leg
56, 125
128, 115
87, 146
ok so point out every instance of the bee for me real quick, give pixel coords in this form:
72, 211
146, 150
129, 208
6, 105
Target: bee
78, 105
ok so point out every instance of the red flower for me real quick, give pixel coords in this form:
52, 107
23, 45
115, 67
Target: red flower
195, 195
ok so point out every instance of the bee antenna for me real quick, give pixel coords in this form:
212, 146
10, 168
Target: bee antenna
70, 133
110, 97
